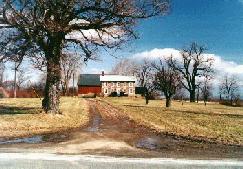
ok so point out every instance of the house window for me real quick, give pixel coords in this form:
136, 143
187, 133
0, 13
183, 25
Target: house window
130, 84
131, 91
106, 91
118, 84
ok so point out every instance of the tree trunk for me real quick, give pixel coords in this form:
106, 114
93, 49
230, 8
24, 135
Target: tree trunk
168, 102
192, 96
205, 100
146, 95
198, 95
67, 89
147, 99
52, 92
64, 88
182, 101
73, 86
51, 101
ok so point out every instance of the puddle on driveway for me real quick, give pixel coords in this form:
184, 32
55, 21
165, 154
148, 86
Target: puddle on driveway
30, 140
96, 121
150, 143
97, 124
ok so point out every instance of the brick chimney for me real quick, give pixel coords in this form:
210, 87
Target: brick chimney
102, 73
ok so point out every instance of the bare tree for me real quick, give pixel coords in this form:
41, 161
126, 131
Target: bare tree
145, 79
70, 64
22, 77
125, 67
206, 89
193, 64
166, 80
38, 86
180, 94
229, 88
49, 27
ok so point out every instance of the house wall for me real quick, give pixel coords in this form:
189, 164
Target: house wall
127, 87
89, 89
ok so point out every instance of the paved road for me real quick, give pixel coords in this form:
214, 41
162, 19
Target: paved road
52, 161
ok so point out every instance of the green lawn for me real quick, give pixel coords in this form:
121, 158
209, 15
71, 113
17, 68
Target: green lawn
213, 122
23, 117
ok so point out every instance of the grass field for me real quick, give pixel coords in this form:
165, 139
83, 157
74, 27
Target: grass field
214, 122
24, 117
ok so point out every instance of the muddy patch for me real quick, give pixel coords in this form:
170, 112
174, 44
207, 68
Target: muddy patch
96, 120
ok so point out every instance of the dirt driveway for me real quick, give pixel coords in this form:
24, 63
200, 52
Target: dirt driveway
111, 133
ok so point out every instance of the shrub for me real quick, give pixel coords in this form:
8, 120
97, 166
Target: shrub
113, 94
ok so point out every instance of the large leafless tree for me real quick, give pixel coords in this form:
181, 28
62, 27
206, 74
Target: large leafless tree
34, 28
192, 64
166, 80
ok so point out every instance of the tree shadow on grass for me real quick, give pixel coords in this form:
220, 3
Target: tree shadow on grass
230, 115
141, 106
13, 110
129, 105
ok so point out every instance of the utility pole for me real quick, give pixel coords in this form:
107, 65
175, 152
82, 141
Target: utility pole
15, 80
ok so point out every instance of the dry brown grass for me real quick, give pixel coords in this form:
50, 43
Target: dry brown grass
24, 117
213, 122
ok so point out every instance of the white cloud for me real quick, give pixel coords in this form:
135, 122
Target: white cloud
221, 66
229, 67
94, 71
157, 53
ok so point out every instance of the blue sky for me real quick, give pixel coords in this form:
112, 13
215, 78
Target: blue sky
217, 24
